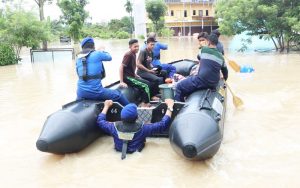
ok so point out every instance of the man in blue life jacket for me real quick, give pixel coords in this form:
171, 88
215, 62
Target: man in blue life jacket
219, 45
208, 76
130, 136
90, 71
171, 70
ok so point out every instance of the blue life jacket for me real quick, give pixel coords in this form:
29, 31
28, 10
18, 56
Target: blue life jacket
126, 132
83, 56
90, 71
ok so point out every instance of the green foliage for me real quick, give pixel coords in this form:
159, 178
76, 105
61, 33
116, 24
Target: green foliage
270, 19
166, 32
21, 28
74, 16
57, 28
7, 55
122, 35
114, 29
142, 37
128, 8
156, 9
119, 25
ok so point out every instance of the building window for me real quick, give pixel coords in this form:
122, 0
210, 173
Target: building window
200, 12
206, 12
194, 12
172, 13
185, 13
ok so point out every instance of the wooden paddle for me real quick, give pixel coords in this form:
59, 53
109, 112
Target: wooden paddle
236, 67
236, 100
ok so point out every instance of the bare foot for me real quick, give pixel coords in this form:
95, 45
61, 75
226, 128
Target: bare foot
145, 105
154, 98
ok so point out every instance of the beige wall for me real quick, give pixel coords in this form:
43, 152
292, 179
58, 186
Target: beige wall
178, 10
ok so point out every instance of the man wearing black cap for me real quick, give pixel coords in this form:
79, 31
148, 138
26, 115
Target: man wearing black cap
130, 136
208, 76
90, 70
219, 44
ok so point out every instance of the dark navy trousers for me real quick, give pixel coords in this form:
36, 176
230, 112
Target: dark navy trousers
187, 86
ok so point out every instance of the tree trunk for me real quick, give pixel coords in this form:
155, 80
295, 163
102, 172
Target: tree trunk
42, 18
288, 46
131, 23
279, 39
282, 39
274, 43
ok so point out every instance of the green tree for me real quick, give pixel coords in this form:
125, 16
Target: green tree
74, 16
276, 20
156, 9
119, 25
128, 8
21, 29
57, 28
40, 4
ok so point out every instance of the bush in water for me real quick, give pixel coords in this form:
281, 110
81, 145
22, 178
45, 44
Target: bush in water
7, 55
122, 35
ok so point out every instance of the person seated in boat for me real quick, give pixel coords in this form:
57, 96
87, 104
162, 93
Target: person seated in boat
145, 69
203, 41
208, 76
219, 45
90, 71
129, 77
130, 136
170, 69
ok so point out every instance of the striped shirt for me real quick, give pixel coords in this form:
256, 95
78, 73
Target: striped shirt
212, 61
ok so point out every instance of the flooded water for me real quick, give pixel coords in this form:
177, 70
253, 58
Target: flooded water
260, 146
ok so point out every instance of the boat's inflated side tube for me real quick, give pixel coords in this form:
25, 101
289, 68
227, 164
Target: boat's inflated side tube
70, 129
184, 66
132, 94
197, 131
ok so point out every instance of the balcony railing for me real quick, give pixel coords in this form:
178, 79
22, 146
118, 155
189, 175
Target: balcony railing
190, 1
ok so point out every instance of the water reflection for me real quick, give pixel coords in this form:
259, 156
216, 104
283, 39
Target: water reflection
239, 42
260, 147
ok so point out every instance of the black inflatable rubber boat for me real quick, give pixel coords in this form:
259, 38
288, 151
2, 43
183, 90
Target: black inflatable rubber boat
195, 133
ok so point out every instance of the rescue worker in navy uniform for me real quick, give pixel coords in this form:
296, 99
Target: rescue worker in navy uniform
90, 71
130, 136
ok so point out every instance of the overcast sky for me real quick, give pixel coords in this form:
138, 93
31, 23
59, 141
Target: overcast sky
99, 10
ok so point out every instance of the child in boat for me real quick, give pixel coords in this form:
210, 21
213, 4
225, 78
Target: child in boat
208, 76
130, 136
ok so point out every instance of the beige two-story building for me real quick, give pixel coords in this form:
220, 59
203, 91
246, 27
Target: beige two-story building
187, 17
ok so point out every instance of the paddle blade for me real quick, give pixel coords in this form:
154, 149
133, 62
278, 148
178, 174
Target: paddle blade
234, 66
237, 102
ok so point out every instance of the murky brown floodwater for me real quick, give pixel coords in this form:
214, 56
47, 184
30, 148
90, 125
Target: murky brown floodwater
260, 147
